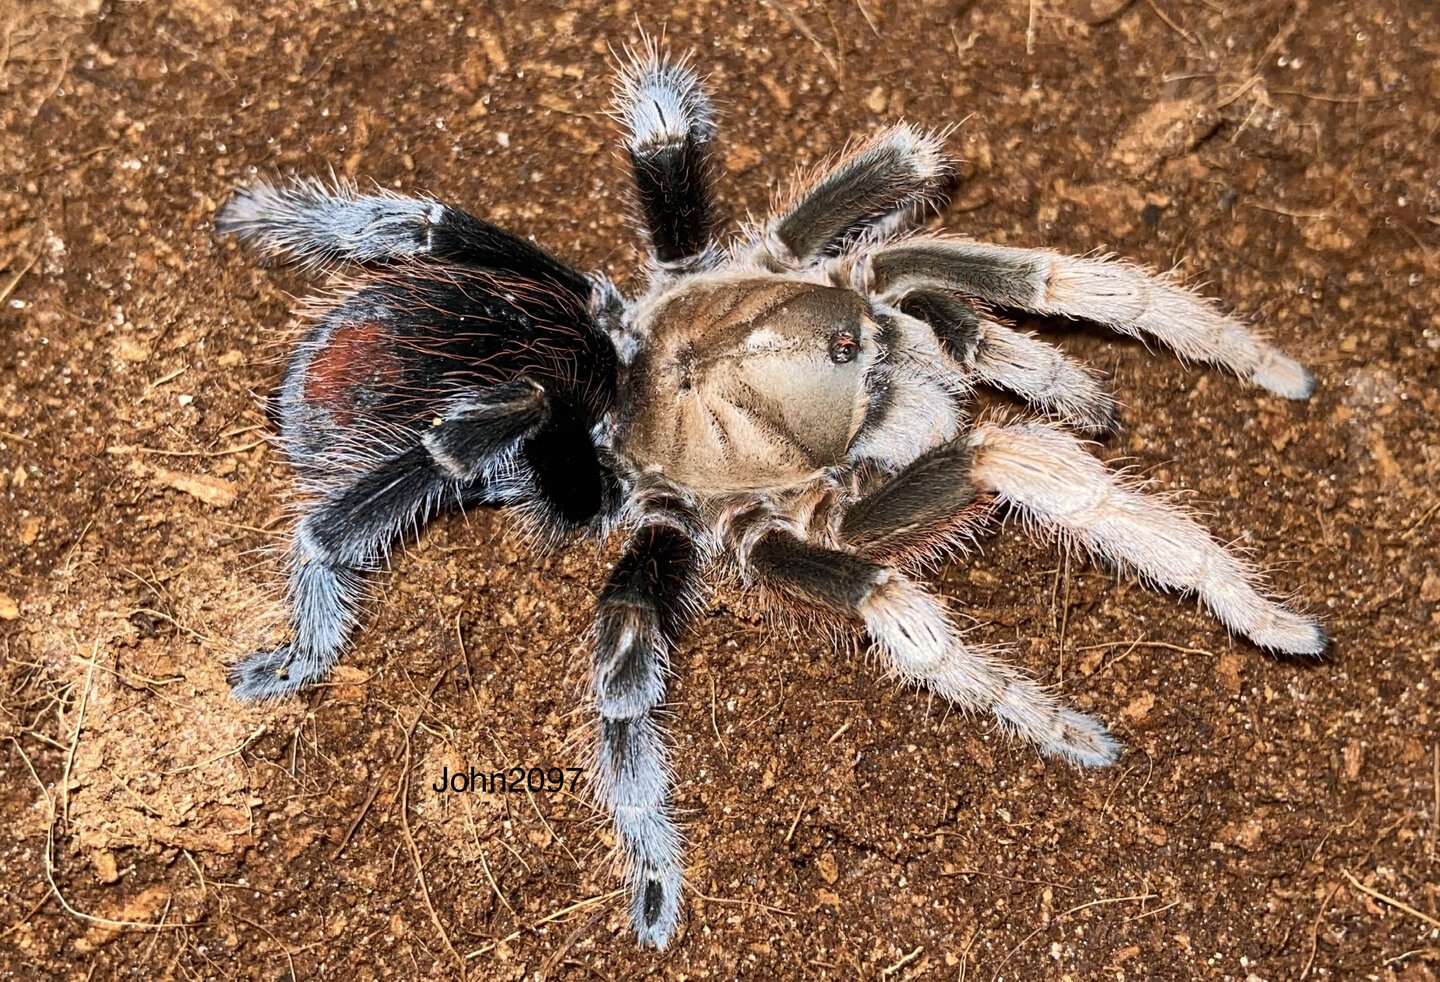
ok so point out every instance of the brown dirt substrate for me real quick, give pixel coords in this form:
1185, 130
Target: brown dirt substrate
1269, 820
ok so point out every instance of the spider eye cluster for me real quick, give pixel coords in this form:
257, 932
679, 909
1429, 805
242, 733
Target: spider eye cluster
844, 346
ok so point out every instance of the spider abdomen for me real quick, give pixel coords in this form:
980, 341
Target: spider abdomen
380, 365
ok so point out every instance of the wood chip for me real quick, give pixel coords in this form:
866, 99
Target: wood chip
214, 491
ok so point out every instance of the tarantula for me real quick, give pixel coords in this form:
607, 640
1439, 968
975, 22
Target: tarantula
792, 407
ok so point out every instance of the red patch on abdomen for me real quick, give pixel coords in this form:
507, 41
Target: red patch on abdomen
354, 357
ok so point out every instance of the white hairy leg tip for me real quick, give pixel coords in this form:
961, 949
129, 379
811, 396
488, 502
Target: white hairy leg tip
1083, 740
245, 206
1293, 634
1286, 377
655, 907
1041, 374
925, 151
911, 629
1053, 480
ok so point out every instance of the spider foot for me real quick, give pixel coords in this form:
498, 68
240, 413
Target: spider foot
655, 906
1082, 740
268, 674
1284, 376
1291, 633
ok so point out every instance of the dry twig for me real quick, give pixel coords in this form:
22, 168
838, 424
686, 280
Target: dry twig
1391, 901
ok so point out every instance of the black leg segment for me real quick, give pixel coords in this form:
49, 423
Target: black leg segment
670, 127
639, 617
478, 427
916, 512
956, 323
575, 482
885, 184
822, 579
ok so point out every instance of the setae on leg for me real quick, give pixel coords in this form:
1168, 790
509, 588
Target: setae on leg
670, 126
1049, 476
352, 528
1011, 360
324, 226
921, 645
922, 513
1118, 295
639, 617
882, 187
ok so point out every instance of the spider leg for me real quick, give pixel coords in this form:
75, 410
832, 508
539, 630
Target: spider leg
570, 482
670, 126
480, 425
1050, 477
1115, 294
921, 645
639, 617
328, 225
558, 474
882, 187
1019, 363
333, 547
919, 513
351, 529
